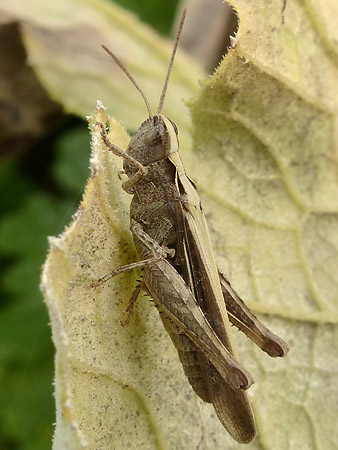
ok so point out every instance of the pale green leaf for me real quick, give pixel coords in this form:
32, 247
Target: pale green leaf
270, 188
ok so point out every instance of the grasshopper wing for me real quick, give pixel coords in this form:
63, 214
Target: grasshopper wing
201, 275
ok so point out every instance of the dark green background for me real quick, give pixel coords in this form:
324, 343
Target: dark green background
40, 190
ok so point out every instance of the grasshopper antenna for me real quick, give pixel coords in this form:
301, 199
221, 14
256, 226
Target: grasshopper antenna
119, 63
173, 53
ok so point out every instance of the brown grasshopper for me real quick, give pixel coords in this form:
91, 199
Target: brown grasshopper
180, 274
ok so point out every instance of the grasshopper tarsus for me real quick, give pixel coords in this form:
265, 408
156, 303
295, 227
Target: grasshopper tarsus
120, 173
132, 303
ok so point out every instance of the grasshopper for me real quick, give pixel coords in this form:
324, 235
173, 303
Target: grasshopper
179, 270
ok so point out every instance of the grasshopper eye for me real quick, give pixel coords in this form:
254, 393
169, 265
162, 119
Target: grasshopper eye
174, 127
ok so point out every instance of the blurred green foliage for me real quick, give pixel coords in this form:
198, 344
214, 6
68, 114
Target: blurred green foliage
160, 14
40, 191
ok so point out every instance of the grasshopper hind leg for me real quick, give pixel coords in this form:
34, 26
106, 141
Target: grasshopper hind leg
189, 356
241, 316
231, 405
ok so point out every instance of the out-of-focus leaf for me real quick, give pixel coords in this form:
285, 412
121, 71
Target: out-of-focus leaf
160, 14
207, 30
63, 43
26, 112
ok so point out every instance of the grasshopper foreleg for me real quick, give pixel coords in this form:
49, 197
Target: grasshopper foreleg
128, 185
119, 152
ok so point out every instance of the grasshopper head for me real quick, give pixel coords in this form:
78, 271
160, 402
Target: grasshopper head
155, 140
